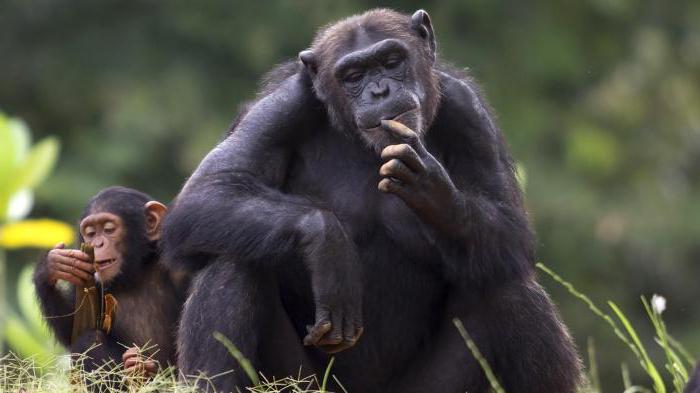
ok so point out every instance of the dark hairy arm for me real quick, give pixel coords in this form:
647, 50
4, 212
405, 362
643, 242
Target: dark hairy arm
460, 180
233, 205
496, 235
73, 266
56, 306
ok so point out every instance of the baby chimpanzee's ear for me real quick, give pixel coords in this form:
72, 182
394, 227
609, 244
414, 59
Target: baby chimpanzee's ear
155, 211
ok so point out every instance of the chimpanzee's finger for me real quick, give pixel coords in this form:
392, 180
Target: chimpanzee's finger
398, 170
347, 342
393, 186
69, 277
72, 270
74, 262
316, 332
132, 362
130, 353
151, 367
405, 134
335, 335
406, 154
74, 254
351, 332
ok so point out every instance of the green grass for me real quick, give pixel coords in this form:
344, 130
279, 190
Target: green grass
667, 375
677, 360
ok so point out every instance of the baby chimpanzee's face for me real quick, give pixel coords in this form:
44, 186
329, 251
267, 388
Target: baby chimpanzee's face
106, 233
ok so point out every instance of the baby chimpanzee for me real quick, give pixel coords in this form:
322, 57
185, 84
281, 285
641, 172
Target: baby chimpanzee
139, 301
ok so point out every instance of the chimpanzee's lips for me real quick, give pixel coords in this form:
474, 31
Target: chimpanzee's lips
398, 118
104, 263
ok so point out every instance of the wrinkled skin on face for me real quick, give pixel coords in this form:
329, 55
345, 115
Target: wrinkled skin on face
108, 234
378, 78
105, 232
379, 85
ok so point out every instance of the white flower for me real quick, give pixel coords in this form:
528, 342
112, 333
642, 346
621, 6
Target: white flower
658, 303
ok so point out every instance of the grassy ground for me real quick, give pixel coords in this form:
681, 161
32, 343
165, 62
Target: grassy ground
26, 376
669, 375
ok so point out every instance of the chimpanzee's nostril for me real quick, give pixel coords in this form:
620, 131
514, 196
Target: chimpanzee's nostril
380, 89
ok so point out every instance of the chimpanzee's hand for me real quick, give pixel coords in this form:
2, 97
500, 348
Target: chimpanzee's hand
138, 365
71, 265
335, 280
414, 175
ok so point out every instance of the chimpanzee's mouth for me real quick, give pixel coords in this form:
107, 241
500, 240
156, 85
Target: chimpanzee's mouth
104, 263
397, 117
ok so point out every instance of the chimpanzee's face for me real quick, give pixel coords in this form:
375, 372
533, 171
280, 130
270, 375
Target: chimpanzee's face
106, 233
379, 83
377, 71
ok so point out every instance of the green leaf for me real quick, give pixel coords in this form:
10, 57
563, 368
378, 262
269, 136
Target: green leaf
19, 131
6, 162
14, 143
23, 343
644, 359
27, 300
39, 163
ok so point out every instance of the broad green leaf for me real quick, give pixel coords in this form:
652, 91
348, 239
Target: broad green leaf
28, 305
22, 342
14, 145
39, 163
6, 158
19, 132
41, 233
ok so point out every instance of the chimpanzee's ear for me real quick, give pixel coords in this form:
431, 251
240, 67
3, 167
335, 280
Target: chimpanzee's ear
308, 57
420, 22
155, 212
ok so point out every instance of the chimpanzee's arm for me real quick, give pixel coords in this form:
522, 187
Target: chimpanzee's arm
233, 205
55, 306
460, 181
495, 240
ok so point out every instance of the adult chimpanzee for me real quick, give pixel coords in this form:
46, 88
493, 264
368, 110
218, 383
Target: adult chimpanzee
123, 226
286, 216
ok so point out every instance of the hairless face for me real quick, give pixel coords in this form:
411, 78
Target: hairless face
105, 232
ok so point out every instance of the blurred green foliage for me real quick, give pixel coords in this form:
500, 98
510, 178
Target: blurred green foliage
599, 100
22, 168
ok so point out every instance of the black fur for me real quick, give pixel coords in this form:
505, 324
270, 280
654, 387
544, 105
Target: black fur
285, 215
149, 299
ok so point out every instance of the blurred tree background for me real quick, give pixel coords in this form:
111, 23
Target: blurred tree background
599, 99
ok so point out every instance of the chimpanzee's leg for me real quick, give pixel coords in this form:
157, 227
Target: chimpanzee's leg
517, 330
244, 305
